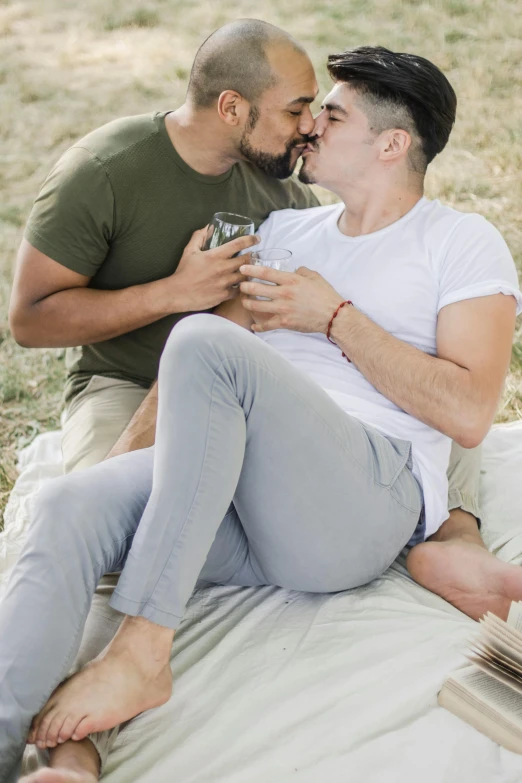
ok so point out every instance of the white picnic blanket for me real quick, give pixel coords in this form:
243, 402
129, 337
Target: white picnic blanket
275, 685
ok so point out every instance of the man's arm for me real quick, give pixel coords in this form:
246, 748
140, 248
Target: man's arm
456, 392
141, 430
52, 306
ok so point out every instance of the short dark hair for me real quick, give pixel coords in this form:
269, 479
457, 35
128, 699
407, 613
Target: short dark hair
401, 87
234, 58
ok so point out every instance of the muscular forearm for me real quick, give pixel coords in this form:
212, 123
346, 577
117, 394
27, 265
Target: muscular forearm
141, 430
436, 391
92, 315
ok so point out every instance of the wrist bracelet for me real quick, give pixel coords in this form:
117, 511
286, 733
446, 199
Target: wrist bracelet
330, 326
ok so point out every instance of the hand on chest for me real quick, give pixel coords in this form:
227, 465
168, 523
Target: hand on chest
396, 289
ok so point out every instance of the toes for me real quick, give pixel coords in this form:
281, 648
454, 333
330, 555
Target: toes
43, 726
67, 730
32, 734
35, 724
54, 728
84, 727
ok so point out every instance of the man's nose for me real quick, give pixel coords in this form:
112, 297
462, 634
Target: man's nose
318, 128
306, 122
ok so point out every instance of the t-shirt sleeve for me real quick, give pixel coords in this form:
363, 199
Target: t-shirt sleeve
476, 262
72, 218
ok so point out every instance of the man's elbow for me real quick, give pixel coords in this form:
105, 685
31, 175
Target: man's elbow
469, 440
23, 329
471, 431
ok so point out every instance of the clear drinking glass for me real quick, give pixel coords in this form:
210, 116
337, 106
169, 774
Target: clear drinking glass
275, 258
226, 226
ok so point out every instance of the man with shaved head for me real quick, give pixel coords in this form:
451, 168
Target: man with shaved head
358, 436
109, 262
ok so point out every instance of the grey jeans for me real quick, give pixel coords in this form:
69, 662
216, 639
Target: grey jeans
257, 477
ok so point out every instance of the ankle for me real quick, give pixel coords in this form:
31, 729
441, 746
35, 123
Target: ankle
81, 757
146, 644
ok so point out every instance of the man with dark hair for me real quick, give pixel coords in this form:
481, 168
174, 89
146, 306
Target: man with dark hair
285, 460
400, 90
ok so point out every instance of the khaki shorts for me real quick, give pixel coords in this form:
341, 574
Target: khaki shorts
95, 419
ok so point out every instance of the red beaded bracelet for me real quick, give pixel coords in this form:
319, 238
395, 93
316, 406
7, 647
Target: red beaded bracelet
330, 326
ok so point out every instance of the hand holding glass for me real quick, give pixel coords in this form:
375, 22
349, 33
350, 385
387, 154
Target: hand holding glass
226, 226
275, 258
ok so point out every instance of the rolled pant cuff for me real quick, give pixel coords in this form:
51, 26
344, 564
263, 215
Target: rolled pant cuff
469, 503
148, 612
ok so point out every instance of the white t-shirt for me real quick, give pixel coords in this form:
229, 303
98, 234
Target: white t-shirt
400, 277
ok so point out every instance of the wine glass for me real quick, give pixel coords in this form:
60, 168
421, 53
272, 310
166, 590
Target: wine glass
226, 226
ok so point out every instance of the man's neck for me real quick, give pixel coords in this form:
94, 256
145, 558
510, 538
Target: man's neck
199, 142
370, 209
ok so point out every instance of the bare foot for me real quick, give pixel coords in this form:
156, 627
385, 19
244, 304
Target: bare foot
48, 775
110, 690
466, 575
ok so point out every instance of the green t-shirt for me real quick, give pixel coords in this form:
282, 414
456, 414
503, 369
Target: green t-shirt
120, 206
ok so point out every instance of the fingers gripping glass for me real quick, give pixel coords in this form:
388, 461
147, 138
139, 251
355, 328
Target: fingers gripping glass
275, 258
225, 226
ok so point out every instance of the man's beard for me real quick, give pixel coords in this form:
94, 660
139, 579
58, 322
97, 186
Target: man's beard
279, 166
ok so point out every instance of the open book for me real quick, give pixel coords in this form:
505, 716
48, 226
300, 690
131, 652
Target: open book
487, 694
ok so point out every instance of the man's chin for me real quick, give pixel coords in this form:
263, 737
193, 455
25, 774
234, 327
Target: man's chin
306, 176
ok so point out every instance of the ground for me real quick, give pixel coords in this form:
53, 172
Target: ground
66, 68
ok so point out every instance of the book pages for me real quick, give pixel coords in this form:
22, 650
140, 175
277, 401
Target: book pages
492, 620
487, 650
497, 627
497, 672
515, 615
490, 695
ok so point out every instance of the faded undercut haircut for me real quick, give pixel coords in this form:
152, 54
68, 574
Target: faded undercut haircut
403, 91
234, 58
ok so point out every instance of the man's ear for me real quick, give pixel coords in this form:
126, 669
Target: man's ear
232, 108
395, 144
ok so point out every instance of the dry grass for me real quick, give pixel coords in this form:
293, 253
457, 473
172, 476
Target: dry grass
67, 67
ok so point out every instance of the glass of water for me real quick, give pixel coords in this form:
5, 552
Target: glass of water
275, 258
226, 226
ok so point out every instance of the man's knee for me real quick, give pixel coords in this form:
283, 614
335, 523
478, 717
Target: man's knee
202, 336
66, 511
53, 505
